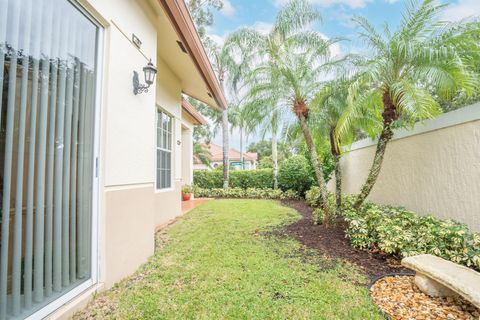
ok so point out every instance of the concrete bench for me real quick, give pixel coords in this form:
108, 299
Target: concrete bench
438, 277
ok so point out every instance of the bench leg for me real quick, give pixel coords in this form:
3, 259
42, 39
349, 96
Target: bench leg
432, 287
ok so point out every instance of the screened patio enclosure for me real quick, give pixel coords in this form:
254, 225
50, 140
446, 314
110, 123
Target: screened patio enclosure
47, 133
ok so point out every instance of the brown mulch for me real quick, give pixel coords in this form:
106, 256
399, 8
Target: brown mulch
331, 242
400, 298
397, 296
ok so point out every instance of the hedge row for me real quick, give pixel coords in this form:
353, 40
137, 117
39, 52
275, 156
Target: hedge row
250, 193
403, 233
294, 173
262, 178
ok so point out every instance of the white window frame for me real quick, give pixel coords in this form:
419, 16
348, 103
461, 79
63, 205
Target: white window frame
159, 109
68, 296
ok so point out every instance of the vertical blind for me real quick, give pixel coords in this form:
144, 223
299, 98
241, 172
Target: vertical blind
47, 72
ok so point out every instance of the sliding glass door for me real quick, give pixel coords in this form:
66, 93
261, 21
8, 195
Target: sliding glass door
47, 72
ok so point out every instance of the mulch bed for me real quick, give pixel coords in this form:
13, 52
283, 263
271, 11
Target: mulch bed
331, 241
397, 296
400, 298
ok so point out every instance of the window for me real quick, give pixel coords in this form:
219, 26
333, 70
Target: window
164, 150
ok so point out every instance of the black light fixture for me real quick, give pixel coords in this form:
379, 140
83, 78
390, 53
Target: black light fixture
149, 71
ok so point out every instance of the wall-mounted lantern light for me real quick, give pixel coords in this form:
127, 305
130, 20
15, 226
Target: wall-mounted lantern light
149, 71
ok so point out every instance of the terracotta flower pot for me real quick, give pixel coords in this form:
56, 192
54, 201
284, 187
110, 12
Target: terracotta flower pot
186, 196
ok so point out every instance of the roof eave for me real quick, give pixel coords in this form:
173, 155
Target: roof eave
193, 113
181, 20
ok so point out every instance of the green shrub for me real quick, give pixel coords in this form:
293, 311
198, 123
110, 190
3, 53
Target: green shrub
208, 179
251, 193
312, 196
290, 195
219, 193
296, 173
318, 216
265, 162
328, 166
262, 178
402, 233
186, 189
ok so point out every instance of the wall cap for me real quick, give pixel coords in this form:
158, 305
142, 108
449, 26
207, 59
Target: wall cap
445, 120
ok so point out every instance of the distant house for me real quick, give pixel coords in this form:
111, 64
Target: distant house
216, 151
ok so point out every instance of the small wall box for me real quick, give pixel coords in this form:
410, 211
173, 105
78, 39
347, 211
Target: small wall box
136, 41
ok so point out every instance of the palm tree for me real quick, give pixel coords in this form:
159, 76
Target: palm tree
226, 68
202, 154
230, 62
327, 107
268, 119
258, 49
296, 63
238, 118
424, 57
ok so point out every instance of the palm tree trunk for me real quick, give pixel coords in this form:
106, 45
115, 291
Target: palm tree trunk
316, 166
385, 137
335, 150
389, 115
241, 149
225, 139
275, 160
226, 162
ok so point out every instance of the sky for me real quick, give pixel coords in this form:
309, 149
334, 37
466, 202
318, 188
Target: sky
337, 15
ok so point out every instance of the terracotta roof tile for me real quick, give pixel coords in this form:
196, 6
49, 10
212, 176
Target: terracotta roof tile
234, 155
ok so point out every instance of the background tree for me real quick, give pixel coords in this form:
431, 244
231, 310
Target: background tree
222, 60
268, 120
202, 13
226, 68
202, 154
205, 133
238, 119
424, 55
263, 148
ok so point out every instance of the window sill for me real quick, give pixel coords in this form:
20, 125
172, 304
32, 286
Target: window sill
164, 190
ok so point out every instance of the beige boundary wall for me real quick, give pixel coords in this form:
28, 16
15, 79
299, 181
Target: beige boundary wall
433, 168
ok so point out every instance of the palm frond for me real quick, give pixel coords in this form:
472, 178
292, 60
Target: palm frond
294, 16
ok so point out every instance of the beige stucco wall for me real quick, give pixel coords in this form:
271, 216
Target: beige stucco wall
168, 204
187, 156
187, 148
168, 98
129, 230
126, 213
130, 119
433, 169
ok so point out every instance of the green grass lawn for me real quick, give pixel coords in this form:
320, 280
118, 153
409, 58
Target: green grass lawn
221, 262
